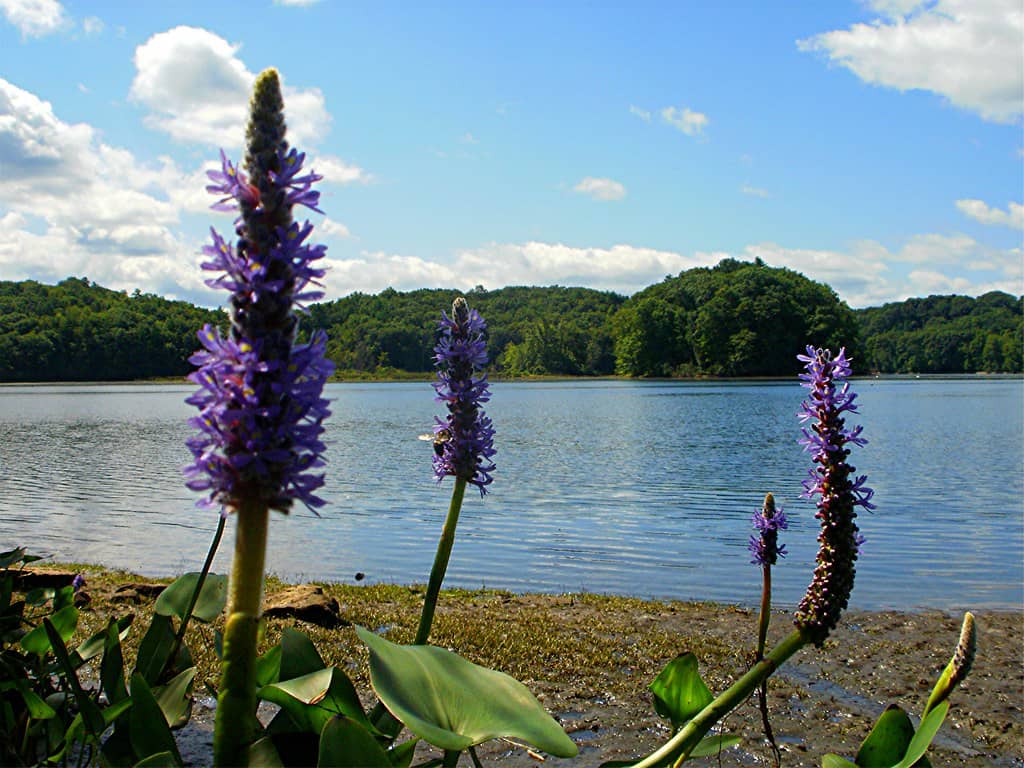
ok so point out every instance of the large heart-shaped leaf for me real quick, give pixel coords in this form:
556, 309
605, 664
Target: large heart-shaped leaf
455, 704
679, 692
174, 600
298, 655
344, 743
888, 741
175, 700
313, 699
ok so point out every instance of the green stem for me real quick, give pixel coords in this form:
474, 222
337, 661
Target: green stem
444, 553
691, 733
451, 758
210, 554
236, 722
766, 611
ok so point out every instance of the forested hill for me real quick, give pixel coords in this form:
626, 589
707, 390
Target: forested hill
734, 319
79, 331
945, 334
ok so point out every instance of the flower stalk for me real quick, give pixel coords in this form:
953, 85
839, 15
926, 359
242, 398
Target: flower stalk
260, 396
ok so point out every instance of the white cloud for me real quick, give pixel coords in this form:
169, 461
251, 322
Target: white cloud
337, 171
92, 25
968, 51
746, 189
686, 120
331, 228
979, 211
197, 90
600, 188
35, 18
643, 114
468, 138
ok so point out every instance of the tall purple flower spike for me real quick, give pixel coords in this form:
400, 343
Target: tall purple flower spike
464, 441
260, 393
838, 489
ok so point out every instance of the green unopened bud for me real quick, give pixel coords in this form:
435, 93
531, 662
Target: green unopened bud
959, 666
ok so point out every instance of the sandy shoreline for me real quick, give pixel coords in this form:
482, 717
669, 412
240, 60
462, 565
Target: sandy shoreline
589, 659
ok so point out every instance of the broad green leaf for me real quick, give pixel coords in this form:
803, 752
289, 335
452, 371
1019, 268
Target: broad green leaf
888, 741
11, 556
37, 708
149, 732
401, 755
455, 704
91, 713
313, 699
174, 600
298, 655
64, 621
262, 754
112, 666
712, 745
835, 761
155, 649
923, 738
344, 743
268, 667
174, 699
159, 760
679, 692
92, 647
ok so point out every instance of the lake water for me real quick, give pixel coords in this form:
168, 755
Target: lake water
637, 488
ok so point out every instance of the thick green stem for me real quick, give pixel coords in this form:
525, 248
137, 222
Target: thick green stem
236, 721
444, 553
691, 733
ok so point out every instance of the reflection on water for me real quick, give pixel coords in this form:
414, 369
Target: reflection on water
641, 488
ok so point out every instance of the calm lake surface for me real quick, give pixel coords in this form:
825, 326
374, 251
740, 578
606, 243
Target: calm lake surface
637, 488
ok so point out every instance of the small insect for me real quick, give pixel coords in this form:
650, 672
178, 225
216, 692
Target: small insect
439, 439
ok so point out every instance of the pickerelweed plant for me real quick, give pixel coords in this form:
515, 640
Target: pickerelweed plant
679, 691
260, 396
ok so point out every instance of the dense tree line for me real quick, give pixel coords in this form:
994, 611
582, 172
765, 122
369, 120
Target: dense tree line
945, 334
78, 331
734, 319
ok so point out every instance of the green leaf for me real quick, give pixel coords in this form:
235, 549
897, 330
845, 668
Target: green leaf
159, 760
174, 600
155, 649
313, 699
91, 713
268, 667
149, 732
679, 692
344, 743
262, 754
112, 666
835, 761
455, 704
712, 745
174, 699
923, 738
95, 644
11, 556
401, 755
64, 621
37, 708
888, 741
298, 655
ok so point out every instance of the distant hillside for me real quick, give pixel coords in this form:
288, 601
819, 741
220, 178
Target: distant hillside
79, 331
945, 334
734, 319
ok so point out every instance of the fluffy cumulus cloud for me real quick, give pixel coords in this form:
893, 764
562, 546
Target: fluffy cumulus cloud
72, 205
337, 171
979, 210
35, 18
197, 90
968, 51
600, 188
643, 114
685, 119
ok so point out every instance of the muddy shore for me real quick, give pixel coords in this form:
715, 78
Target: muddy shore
590, 658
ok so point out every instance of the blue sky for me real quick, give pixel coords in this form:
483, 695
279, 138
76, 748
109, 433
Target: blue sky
876, 146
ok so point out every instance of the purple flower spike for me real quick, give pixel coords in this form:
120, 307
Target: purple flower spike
464, 442
765, 547
839, 490
261, 409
